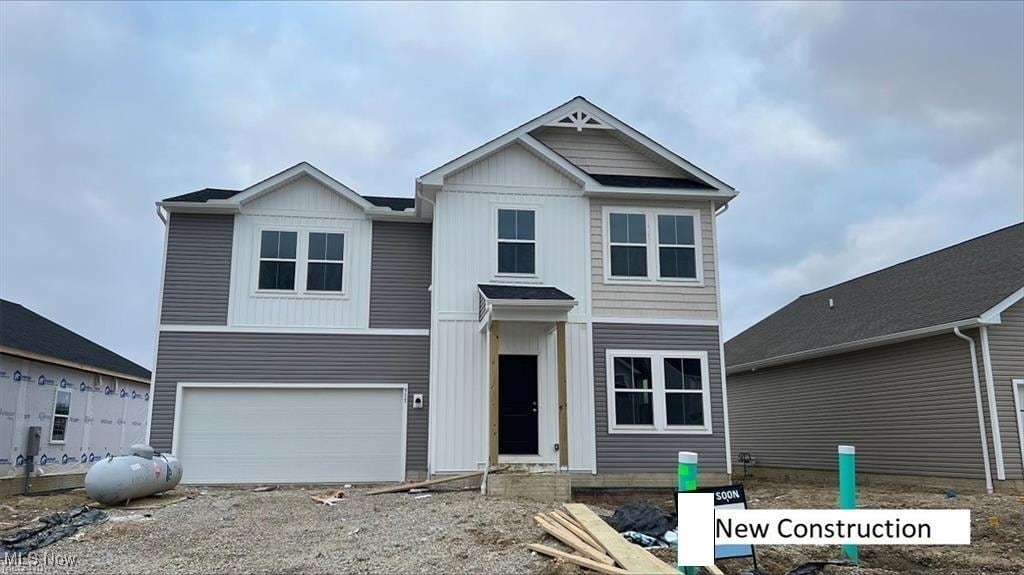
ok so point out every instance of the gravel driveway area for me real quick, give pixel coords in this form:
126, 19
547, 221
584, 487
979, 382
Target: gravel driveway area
233, 530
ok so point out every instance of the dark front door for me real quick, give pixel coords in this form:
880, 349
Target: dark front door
517, 404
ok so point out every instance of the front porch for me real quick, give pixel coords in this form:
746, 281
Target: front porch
527, 378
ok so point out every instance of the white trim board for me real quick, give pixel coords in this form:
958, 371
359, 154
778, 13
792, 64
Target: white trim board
1018, 405
292, 329
993, 315
656, 321
182, 385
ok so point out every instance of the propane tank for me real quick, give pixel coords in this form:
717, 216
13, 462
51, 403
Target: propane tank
125, 477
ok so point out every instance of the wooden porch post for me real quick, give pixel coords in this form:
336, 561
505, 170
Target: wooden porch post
492, 348
563, 416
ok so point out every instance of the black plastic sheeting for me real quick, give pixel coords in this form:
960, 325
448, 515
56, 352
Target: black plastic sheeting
643, 518
55, 527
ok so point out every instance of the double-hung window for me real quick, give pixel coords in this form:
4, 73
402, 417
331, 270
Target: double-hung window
326, 263
658, 392
277, 260
677, 248
628, 245
671, 235
61, 414
517, 242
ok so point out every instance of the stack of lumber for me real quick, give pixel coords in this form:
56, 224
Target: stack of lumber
424, 484
596, 545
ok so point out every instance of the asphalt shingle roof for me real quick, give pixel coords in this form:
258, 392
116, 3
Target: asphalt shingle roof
956, 283
24, 329
207, 194
491, 291
649, 182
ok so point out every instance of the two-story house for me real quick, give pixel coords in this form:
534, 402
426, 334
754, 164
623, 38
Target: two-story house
549, 298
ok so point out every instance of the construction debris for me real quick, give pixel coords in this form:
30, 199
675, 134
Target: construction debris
595, 545
265, 488
328, 498
419, 484
54, 527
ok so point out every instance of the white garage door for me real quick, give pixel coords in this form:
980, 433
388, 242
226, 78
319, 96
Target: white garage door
290, 434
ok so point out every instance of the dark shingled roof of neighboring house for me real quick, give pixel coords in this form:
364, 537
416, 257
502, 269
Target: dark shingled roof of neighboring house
25, 330
953, 284
491, 291
207, 194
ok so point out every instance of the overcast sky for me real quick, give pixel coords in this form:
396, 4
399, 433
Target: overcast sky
858, 134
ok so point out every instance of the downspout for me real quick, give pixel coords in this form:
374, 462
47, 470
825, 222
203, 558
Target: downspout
993, 410
721, 344
977, 401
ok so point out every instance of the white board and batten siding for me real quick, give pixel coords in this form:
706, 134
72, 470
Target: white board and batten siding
303, 205
675, 301
465, 254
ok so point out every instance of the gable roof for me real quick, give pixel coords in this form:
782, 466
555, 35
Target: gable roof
22, 329
715, 188
207, 194
956, 284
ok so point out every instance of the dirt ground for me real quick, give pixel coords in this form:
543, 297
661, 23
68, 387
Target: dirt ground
997, 530
234, 530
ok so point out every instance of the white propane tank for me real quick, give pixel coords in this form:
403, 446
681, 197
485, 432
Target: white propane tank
125, 477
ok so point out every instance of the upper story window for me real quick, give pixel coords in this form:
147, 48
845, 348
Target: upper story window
677, 250
628, 245
61, 414
517, 242
325, 266
673, 235
277, 260
658, 392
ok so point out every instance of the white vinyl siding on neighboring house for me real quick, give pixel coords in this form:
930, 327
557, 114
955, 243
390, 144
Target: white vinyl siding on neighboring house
658, 391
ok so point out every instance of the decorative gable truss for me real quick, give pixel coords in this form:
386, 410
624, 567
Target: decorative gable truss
580, 119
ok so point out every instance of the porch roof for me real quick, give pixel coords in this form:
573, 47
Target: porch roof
523, 303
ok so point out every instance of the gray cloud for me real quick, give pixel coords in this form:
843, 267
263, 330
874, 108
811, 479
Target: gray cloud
860, 133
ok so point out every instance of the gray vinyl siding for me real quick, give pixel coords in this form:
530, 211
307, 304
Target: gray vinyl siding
292, 358
1006, 347
909, 409
197, 275
656, 453
400, 275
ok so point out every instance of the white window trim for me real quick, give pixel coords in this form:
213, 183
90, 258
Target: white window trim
1018, 404
653, 261
646, 245
67, 418
535, 208
299, 290
660, 427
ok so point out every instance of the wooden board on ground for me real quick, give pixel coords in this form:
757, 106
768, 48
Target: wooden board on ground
629, 556
713, 570
572, 541
575, 529
581, 561
408, 486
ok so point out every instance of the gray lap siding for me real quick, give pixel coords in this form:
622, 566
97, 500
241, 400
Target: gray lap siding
197, 272
292, 358
656, 453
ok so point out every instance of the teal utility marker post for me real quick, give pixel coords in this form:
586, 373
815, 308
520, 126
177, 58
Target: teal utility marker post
848, 489
686, 475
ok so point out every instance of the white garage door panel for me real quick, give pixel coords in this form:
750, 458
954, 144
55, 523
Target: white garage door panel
289, 435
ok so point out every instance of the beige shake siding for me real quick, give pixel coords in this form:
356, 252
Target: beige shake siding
664, 301
603, 152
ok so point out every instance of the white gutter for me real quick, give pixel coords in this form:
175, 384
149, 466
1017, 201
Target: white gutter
721, 341
853, 345
993, 413
981, 415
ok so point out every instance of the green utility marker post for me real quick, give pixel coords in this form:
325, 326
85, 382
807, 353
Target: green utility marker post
848, 489
686, 475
